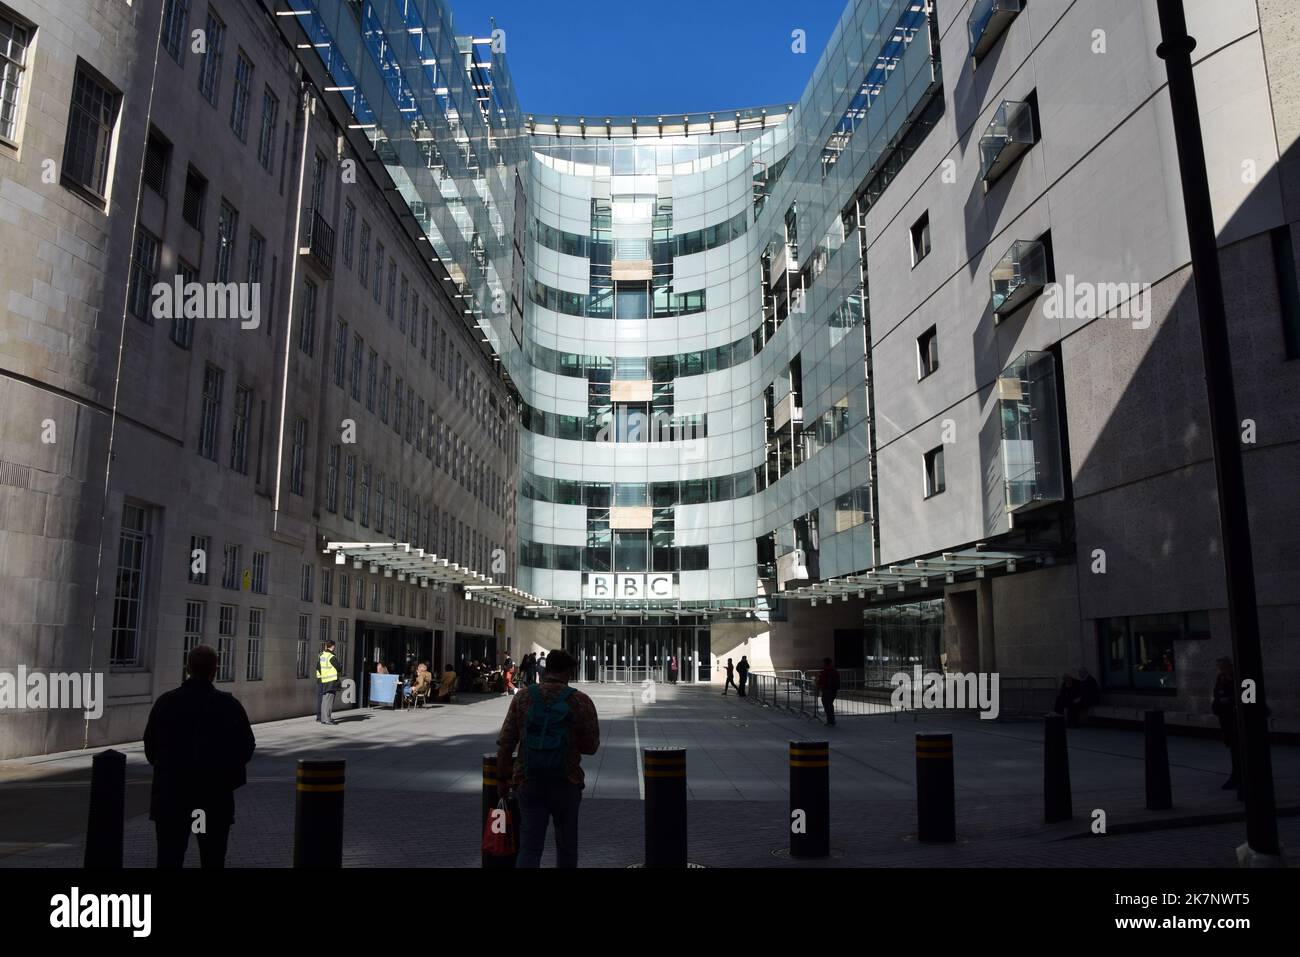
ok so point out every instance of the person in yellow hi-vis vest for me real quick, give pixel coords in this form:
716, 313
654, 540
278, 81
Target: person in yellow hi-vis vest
327, 675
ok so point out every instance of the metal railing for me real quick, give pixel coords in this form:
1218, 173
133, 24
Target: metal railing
800, 695
320, 238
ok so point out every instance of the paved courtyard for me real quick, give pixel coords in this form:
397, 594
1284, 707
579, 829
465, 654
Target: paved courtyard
413, 784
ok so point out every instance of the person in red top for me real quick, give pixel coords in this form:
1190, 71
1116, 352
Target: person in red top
828, 683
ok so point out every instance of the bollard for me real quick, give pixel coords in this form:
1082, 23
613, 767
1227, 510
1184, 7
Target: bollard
810, 793
318, 815
107, 811
935, 803
665, 807
1057, 804
491, 795
1159, 793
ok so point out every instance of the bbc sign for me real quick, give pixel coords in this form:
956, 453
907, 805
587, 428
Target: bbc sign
624, 587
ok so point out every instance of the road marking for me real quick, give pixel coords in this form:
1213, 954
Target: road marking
636, 738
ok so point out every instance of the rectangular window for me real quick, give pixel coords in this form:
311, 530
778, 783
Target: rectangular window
129, 595
196, 194
340, 352
383, 393
182, 326
230, 562
175, 28
349, 486
934, 483
921, 238
266, 135
259, 573
379, 272
365, 494
157, 155
363, 255
210, 411
349, 224
256, 259
91, 118
239, 434
324, 630
144, 273
927, 352
392, 287
374, 596
424, 332
372, 375
332, 479
306, 583
345, 593
254, 667
307, 321
227, 225
361, 593
327, 586
297, 484
319, 171
1138, 653
210, 67
195, 614
243, 91
199, 556
226, 625
397, 405
358, 347
304, 646
380, 501
404, 297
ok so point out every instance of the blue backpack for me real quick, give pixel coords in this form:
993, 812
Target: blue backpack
546, 736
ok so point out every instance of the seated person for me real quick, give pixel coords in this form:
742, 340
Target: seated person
422, 681
448, 684
380, 669
509, 679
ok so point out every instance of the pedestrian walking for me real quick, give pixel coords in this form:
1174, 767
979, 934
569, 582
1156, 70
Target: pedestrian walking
199, 741
828, 683
731, 679
552, 726
327, 677
672, 670
743, 670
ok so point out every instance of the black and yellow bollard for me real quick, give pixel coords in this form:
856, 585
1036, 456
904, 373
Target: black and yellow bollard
491, 795
106, 819
665, 807
1057, 803
810, 799
318, 815
1159, 793
936, 809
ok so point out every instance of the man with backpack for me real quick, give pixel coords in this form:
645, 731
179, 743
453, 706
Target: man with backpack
828, 683
552, 725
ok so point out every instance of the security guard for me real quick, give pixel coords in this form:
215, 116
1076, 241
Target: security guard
327, 675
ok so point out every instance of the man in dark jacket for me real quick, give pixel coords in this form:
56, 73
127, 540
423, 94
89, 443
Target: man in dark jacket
743, 670
731, 679
198, 740
828, 683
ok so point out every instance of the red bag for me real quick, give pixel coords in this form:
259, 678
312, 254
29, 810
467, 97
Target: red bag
499, 837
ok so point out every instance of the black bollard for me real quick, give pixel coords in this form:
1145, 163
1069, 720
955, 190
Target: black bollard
810, 799
936, 809
107, 811
665, 807
1057, 804
491, 795
318, 815
1159, 793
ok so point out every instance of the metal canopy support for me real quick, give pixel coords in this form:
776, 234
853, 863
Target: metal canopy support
948, 566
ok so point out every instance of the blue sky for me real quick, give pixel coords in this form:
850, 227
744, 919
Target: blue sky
653, 56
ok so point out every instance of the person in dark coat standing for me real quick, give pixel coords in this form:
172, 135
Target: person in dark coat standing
731, 679
743, 670
199, 741
828, 683
1224, 706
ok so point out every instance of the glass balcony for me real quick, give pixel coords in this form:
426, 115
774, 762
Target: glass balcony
988, 20
1009, 135
1019, 276
1031, 432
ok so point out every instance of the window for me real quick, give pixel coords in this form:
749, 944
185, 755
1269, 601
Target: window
230, 561
349, 486
379, 272
196, 194
254, 666
358, 347
363, 255
195, 613
397, 405
243, 90
239, 433
305, 594
266, 136
392, 287
372, 374
129, 595
176, 20
91, 119
210, 67
374, 596
365, 494
327, 586
198, 543
332, 479
340, 352
1288, 289
182, 326
349, 223
157, 161
383, 393
934, 472
144, 273
921, 238
404, 297
259, 573
296, 484
226, 642
304, 643
319, 168
345, 594
361, 593
380, 485
324, 630
256, 259
1138, 653
210, 411
307, 321
227, 224
15, 38
927, 352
